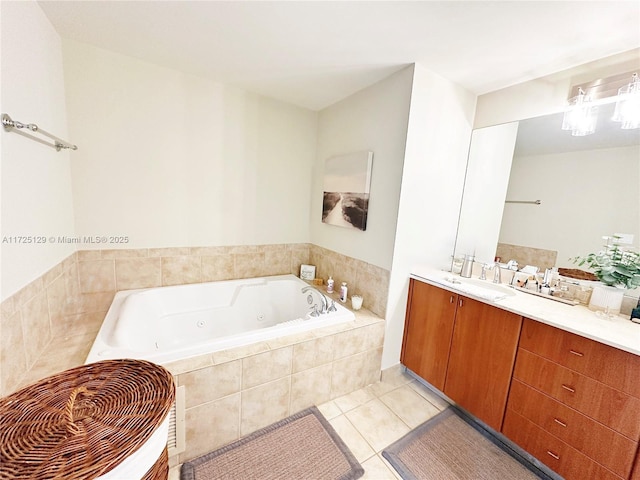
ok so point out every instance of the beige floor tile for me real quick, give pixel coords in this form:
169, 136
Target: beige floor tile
378, 425
396, 376
407, 404
425, 392
174, 473
353, 400
330, 410
375, 468
354, 440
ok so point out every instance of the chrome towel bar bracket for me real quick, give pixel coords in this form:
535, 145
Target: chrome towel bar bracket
11, 125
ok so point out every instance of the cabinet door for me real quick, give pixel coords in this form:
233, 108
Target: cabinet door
427, 332
635, 475
483, 351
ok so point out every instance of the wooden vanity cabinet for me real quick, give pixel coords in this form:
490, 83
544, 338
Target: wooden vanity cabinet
575, 404
463, 347
483, 352
427, 331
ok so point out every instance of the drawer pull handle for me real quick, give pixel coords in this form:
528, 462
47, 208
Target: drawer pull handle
554, 455
577, 354
451, 299
460, 302
559, 422
568, 388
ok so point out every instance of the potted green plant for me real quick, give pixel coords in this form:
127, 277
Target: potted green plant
617, 269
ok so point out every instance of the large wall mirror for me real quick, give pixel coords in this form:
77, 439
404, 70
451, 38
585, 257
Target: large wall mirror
587, 187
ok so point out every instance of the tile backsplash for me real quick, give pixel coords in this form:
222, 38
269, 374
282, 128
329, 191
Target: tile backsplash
73, 297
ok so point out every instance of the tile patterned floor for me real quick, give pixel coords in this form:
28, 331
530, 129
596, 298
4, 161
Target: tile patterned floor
370, 419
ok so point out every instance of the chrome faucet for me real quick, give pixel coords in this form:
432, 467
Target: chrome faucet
483, 272
497, 276
323, 299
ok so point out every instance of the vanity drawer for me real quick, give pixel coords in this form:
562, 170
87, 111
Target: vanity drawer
611, 407
556, 454
614, 367
602, 444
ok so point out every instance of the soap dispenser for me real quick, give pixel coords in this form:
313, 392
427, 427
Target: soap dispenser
467, 266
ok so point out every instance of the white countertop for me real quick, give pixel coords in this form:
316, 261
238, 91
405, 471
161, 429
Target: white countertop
619, 332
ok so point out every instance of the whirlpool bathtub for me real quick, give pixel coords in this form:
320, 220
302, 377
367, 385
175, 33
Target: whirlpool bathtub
166, 324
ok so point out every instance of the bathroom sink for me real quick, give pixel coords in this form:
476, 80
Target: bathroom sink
489, 285
480, 288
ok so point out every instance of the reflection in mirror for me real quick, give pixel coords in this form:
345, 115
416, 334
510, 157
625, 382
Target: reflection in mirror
589, 187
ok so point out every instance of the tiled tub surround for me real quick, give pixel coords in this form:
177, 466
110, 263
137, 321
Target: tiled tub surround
235, 392
49, 325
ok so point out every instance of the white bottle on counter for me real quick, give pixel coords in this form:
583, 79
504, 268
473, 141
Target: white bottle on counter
330, 285
343, 292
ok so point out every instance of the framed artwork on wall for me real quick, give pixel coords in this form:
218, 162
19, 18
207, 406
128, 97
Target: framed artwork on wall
347, 180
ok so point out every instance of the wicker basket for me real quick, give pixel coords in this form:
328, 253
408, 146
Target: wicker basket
84, 422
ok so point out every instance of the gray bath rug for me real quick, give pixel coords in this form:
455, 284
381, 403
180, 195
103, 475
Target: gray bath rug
446, 446
302, 446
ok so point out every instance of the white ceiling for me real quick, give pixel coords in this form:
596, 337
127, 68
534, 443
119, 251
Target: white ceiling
314, 53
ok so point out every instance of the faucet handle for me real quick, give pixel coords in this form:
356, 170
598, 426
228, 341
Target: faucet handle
332, 307
497, 276
485, 267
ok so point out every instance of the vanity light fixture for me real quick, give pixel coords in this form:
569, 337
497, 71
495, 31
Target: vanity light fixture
627, 110
580, 116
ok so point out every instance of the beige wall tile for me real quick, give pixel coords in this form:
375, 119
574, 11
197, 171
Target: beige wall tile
26, 293
35, 327
374, 335
57, 297
217, 267
349, 343
13, 358
240, 249
311, 387
374, 289
77, 324
267, 366
138, 273
70, 261
189, 364
212, 383
209, 251
125, 253
248, 265
169, 252
211, 425
181, 270
264, 405
371, 369
299, 256
239, 352
97, 276
52, 275
347, 375
312, 353
277, 262
94, 302
8, 307
89, 255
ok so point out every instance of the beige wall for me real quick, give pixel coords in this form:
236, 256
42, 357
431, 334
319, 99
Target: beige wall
170, 159
36, 180
373, 119
438, 134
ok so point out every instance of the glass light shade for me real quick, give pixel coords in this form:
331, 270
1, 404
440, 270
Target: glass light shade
628, 105
580, 116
